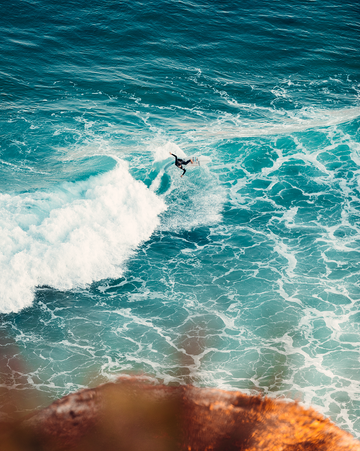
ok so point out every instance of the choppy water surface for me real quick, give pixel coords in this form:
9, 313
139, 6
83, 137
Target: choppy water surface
243, 274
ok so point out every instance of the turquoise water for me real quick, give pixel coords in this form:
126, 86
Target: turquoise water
243, 274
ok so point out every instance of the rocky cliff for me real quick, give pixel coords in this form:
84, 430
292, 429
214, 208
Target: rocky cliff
136, 415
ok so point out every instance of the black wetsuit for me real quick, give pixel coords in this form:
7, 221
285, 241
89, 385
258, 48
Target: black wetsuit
179, 162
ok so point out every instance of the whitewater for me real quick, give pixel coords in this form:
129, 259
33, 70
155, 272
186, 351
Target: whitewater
78, 233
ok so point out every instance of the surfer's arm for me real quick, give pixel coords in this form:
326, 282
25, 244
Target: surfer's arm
184, 170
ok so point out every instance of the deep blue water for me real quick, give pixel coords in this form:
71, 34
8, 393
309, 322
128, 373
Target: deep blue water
243, 274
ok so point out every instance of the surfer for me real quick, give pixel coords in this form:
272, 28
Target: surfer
179, 162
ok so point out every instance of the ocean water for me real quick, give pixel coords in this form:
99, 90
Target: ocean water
244, 273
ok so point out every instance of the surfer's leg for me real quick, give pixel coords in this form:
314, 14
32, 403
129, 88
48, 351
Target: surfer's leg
177, 160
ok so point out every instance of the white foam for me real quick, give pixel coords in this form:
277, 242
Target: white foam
82, 232
285, 251
230, 126
162, 152
195, 200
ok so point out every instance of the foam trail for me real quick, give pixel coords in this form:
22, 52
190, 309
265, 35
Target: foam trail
304, 120
69, 238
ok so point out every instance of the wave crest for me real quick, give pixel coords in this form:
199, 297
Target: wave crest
82, 232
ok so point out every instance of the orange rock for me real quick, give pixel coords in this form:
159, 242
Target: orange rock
134, 415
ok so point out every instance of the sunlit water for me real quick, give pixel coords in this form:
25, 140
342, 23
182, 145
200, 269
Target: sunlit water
243, 274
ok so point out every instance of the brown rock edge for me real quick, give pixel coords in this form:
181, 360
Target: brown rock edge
134, 414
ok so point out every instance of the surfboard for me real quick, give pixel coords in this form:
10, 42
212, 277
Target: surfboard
201, 160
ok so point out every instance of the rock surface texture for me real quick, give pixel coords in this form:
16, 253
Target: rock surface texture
133, 414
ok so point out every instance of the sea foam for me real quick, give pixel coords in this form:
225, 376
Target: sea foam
74, 235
